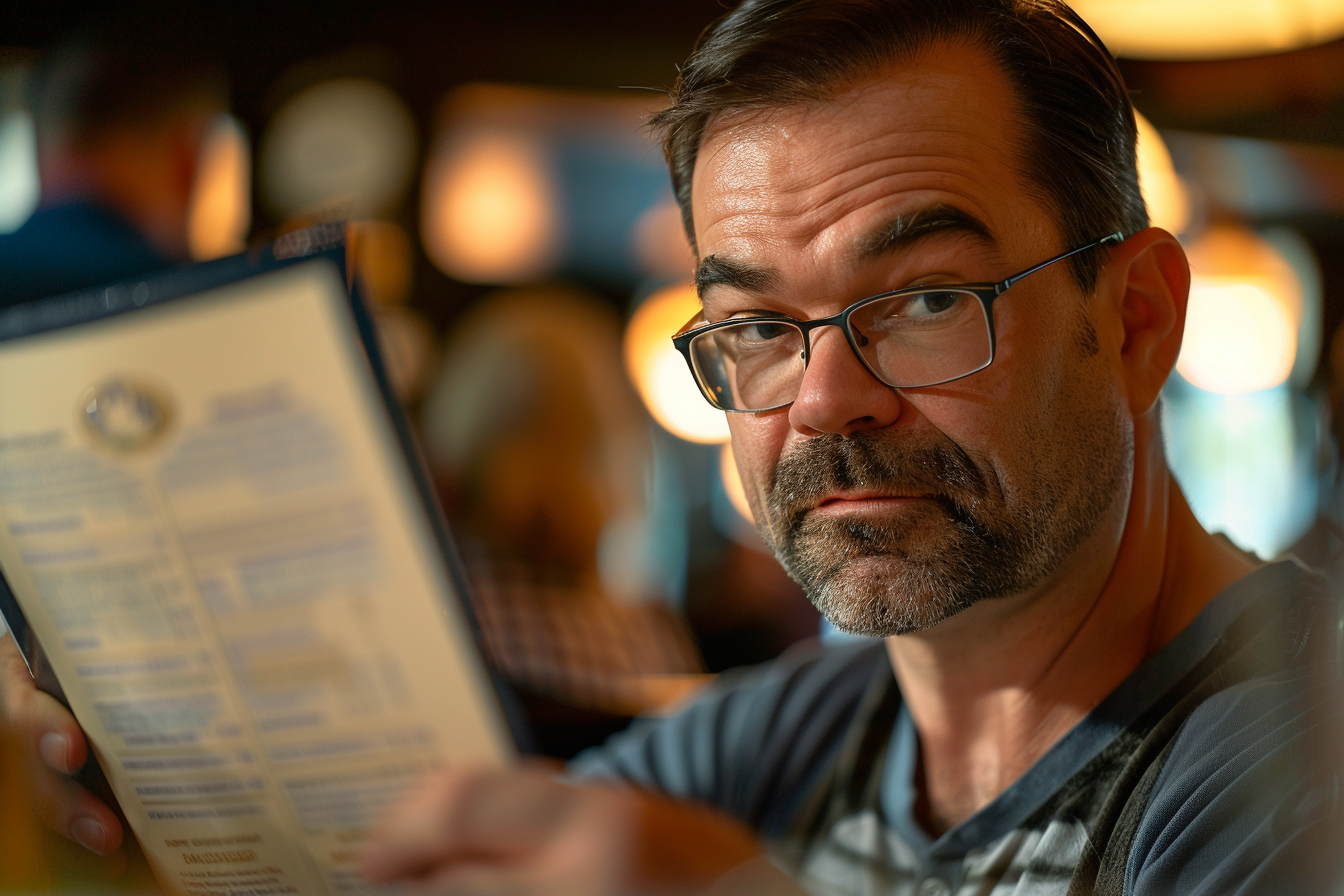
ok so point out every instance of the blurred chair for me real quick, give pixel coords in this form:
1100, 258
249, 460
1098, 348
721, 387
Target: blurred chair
542, 451
120, 127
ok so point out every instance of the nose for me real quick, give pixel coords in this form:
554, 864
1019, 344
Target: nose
838, 393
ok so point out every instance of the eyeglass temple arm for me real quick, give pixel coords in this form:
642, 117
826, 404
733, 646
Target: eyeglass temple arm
1110, 239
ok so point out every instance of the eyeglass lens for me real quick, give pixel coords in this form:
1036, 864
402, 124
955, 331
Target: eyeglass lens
916, 339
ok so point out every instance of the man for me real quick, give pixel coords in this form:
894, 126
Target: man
1090, 692
120, 125
1079, 690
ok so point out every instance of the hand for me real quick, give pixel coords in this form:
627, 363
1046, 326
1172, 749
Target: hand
525, 832
54, 746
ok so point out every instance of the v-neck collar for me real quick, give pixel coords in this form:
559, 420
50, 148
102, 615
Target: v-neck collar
1072, 752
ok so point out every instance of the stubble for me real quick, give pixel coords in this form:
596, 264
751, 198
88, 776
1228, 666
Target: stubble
970, 537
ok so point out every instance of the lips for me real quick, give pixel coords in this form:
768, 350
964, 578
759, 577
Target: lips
858, 499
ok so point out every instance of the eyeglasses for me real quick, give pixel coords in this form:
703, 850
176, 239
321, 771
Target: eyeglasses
920, 336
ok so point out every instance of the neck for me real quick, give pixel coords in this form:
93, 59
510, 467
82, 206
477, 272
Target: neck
992, 689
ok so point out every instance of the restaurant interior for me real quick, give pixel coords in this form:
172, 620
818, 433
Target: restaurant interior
503, 200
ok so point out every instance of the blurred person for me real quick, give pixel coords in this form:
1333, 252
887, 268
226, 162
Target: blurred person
120, 124
943, 325
543, 451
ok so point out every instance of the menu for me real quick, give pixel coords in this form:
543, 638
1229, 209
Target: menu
211, 527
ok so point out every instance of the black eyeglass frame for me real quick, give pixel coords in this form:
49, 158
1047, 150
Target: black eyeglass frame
985, 292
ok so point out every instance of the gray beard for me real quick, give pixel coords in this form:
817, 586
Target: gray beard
968, 543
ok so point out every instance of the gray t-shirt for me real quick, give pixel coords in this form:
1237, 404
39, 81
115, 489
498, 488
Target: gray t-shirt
1211, 769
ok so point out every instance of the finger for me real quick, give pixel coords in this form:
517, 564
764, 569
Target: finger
466, 815
417, 833
43, 726
583, 855
69, 809
52, 741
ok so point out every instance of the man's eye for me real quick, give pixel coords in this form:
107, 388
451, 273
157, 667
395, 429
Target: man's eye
930, 303
762, 331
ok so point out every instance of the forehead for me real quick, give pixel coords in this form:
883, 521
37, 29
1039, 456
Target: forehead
941, 128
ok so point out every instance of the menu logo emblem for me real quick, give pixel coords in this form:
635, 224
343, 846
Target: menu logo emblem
125, 415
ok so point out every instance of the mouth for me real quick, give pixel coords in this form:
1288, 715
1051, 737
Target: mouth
869, 502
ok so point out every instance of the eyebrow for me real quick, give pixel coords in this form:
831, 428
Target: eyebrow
895, 236
716, 271
907, 230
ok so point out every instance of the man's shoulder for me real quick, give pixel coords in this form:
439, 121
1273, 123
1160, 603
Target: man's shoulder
1249, 785
69, 247
756, 738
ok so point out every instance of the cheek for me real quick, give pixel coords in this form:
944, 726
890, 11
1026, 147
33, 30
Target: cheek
1057, 391
1007, 416
983, 414
1040, 352
758, 443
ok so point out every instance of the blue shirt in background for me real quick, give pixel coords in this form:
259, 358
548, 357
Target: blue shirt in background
63, 248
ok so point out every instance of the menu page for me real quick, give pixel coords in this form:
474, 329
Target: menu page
210, 526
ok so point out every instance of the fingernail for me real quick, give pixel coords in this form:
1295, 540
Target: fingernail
55, 751
89, 834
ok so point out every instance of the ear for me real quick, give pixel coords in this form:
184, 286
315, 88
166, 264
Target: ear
1147, 283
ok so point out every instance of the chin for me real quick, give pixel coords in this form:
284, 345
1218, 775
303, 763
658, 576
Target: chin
885, 596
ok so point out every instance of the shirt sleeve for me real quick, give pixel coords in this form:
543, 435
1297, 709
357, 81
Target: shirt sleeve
1248, 800
752, 745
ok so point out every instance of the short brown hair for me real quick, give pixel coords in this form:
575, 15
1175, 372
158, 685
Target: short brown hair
1078, 131
92, 82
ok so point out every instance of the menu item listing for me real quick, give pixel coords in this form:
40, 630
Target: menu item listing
210, 526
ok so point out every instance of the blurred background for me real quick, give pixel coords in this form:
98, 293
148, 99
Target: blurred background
515, 235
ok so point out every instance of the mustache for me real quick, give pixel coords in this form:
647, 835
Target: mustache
831, 462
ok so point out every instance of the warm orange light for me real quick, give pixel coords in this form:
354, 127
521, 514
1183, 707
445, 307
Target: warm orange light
1208, 29
382, 258
1245, 309
1163, 190
221, 200
489, 215
659, 371
1239, 338
732, 483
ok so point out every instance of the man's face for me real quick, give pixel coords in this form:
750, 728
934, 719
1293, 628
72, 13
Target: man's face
898, 509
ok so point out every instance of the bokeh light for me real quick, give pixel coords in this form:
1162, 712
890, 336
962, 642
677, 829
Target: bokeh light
1240, 337
659, 371
488, 211
221, 202
1166, 195
1210, 29
732, 483
382, 258
1248, 470
1244, 313
344, 147
19, 186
